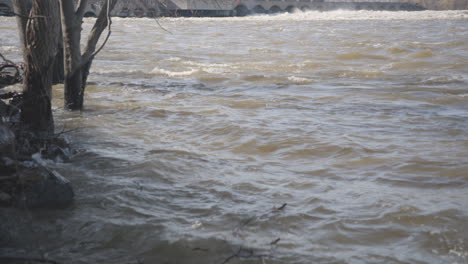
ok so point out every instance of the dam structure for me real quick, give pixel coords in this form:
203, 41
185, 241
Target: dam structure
158, 8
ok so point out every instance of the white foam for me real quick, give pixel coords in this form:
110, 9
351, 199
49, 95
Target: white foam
174, 59
213, 68
114, 71
173, 73
299, 80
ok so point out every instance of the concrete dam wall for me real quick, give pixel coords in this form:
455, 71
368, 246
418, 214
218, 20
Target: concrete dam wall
156, 8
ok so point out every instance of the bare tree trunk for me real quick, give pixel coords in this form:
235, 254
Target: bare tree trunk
100, 25
77, 65
20, 9
71, 32
40, 48
59, 75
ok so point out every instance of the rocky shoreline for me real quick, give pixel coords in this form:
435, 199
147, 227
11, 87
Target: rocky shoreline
25, 180
26, 183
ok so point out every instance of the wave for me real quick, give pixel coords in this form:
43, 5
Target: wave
300, 80
168, 73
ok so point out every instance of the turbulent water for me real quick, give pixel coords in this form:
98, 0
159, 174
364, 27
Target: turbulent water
196, 132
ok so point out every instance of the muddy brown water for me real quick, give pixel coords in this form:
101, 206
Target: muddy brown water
189, 140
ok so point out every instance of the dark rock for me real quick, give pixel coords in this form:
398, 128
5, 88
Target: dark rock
10, 74
3, 110
43, 188
7, 141
5, 198
55, 152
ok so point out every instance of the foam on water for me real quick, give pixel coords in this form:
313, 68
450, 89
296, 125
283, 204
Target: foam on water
173, 73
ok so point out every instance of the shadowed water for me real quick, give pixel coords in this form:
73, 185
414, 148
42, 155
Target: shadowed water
357, 120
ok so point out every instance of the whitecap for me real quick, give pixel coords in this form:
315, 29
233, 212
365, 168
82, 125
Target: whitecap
168, 73
300, 80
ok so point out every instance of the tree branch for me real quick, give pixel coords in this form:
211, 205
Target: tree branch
157, 21
81, 8
109, 30
5, 59
235, 255
103, 21
19, 7
28, 17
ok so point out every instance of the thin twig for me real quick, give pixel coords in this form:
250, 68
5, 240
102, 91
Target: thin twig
66, 131
251, 219
281, 207
232, 256
5, 59
155, 19
109, 31
246, 253
274, 242
28, 17
251, 254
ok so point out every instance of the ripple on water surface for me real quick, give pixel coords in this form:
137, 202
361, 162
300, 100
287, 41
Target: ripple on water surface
356, 120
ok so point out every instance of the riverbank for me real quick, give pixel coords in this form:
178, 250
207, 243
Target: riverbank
26, 181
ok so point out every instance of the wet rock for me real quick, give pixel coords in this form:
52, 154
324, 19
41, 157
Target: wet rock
3, 109
10, 74
43, 188
5, 198
7, 141
55, 152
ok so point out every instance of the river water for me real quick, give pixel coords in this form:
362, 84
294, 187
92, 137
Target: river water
196, 131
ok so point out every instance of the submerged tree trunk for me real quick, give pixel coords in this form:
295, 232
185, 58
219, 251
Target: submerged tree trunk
39, 35
77, 65
59, 75
71, 33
